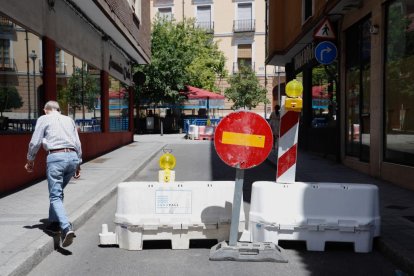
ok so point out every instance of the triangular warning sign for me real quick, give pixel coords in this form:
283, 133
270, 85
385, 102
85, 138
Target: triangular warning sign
324, 31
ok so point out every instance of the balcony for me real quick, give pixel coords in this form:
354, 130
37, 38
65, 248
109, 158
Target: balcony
7, 64
6, 26
207, 26
237, 66
243, 26
61, 68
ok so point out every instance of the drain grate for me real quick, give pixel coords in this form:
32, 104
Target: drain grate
398, 207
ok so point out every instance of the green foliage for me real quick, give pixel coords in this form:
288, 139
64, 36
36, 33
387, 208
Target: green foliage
245, 90
181, 55
400, 54
9, 98
81, 82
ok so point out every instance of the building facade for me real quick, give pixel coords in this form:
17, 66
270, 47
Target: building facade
239, 28
359, 106
78, 53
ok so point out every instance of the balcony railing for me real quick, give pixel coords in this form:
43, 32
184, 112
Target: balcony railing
237, 66
7, 64
246, 25
207, 26
6, 25
60, 67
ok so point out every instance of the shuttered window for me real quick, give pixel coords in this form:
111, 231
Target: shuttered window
244, 11
203, 14
244, 51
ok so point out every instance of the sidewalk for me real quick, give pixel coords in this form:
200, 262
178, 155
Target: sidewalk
396, 205
21, 248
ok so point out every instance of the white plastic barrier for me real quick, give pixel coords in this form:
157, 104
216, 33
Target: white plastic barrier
193, 132
178, 211
315, 213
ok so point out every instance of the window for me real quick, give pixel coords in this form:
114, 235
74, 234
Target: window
324, 101
60, 61
357, 89
118, 106
78, 91
136, 8
204, 18
21, 81
399, 83
245, 21
165, 13
307, 9
244, 57
5, 61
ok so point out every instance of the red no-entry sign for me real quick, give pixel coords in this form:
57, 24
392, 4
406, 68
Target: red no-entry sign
243, 139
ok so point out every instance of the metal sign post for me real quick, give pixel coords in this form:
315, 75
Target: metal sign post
243, 140
235, 212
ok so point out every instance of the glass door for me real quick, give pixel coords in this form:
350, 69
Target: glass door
357, 88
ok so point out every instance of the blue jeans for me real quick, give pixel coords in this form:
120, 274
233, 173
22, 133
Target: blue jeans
61, 167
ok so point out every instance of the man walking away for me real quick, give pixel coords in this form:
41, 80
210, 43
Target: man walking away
60, 139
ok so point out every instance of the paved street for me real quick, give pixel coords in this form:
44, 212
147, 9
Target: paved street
198, 161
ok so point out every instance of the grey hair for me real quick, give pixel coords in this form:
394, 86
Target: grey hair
52, 105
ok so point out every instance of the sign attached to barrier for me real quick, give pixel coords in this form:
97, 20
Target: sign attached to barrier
172, 202
243, 139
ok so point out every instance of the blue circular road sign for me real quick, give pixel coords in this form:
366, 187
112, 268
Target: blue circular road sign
325, 52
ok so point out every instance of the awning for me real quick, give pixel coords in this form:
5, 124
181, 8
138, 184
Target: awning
198, 93
201, 98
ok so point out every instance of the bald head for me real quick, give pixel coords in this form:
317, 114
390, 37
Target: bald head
52, 106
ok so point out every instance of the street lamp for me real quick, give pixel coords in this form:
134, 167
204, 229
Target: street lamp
33, 56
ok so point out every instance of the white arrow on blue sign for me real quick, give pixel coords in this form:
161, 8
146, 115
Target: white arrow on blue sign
325, 52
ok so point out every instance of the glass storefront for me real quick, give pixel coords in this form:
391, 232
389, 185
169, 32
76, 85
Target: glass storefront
357, 90
399, 83
78, 91
324, 93
118, 106
21, 83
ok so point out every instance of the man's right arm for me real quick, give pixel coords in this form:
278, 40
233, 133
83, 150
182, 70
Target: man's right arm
34, 144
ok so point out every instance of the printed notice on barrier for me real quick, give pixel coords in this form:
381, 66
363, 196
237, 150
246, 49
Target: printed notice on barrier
172, 202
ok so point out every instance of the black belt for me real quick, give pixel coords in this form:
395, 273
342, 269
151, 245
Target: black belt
61, 150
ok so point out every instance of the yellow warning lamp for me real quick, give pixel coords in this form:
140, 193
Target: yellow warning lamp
294, 91
167, 163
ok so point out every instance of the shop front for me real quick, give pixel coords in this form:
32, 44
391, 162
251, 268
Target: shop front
59, 53
319, 127
360, 107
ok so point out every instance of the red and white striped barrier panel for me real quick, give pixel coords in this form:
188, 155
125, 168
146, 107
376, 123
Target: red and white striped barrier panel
287, 149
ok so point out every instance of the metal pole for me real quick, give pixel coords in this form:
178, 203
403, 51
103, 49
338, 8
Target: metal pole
278, 86
265, 105
34, 88
28, 77
235, 215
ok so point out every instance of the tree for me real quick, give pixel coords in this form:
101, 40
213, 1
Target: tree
245, 90
9, 98
181, 54
82, 90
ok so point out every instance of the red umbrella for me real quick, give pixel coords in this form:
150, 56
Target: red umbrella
319, 91
198, 93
